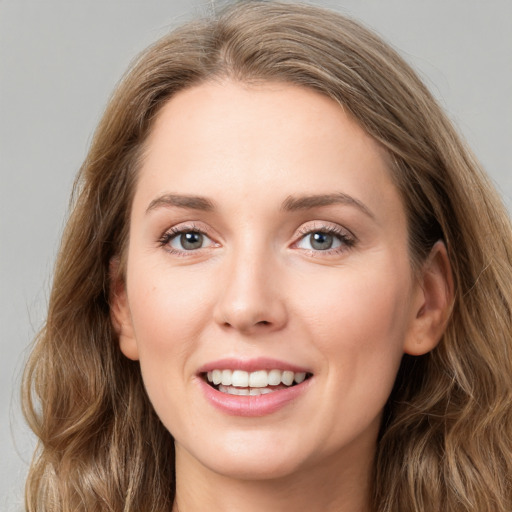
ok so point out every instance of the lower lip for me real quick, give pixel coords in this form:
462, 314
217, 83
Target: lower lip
259, 405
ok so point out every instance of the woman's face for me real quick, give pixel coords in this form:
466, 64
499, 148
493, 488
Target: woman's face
267, 243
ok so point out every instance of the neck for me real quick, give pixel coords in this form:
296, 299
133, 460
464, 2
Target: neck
330, 486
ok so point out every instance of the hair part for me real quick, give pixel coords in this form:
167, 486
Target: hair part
446, 437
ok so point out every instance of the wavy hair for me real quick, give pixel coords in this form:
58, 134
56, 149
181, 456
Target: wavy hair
446, 437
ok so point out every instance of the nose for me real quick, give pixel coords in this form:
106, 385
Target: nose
251, 299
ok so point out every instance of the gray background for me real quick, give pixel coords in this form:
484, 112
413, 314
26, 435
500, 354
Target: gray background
59, 61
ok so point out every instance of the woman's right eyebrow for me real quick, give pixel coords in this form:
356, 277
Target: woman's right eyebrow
181, 201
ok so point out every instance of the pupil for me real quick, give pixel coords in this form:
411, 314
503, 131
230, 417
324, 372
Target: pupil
191, 240
321, 241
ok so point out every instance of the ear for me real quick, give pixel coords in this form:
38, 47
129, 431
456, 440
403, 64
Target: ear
120, 313
432, 303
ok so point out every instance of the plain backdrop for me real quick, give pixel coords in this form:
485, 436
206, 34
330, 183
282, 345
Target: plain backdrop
60, 60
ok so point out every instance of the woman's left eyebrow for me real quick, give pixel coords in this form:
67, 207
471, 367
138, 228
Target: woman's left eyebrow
182, 201
292, 203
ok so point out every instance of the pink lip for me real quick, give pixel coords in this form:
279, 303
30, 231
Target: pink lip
251, 406
251, 365
259, 405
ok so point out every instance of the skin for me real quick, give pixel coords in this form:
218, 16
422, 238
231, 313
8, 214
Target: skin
257, 288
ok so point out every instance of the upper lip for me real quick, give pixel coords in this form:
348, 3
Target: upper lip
251, 365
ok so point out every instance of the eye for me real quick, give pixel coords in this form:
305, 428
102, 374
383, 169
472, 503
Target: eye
328, 239
319, 241
188, 241
181, 240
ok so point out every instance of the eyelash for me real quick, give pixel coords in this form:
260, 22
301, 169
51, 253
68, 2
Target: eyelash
176, 231
347, 239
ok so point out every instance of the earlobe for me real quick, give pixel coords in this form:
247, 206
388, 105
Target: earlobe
433, 305
120, 313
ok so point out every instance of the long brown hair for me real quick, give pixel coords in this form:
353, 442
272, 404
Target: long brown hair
446, 437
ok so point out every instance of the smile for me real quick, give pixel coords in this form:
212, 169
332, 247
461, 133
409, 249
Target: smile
260, 382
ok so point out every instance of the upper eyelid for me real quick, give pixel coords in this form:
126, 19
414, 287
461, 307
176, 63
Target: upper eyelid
183, 227
331, 227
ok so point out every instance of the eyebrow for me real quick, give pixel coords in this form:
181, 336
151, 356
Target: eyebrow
181, 201
292, 203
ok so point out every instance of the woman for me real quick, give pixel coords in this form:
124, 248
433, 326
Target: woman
285, 283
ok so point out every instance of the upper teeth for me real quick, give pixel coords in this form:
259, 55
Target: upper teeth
258, 379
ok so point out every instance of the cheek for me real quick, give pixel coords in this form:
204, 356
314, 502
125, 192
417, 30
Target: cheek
165, 311
163, 306
346, 301
359, 321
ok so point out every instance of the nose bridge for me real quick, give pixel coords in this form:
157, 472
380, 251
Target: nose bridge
249, 295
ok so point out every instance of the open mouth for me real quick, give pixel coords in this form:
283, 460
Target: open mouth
260, 382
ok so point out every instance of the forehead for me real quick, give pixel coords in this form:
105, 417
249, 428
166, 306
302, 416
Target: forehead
232, 140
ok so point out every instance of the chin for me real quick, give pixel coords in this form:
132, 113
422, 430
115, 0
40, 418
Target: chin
250, 468
244, 461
